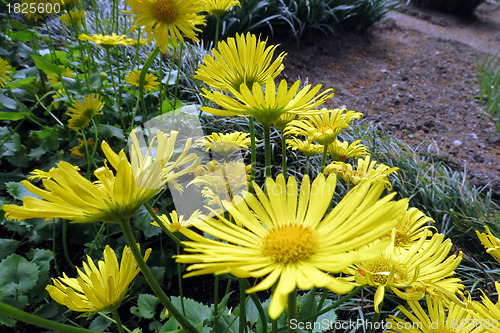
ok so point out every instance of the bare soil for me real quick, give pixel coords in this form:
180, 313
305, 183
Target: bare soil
415, 72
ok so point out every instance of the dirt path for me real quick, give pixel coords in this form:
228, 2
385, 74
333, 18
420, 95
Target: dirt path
415, 72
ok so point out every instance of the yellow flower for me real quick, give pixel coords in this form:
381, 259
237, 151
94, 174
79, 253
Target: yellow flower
219, 7
490, 242
284, 119
80, 150
54, 79
5, 71
106, 40
36, 14
290, 241
164, 19
72, 17
224, 143
114, 198
305, 147
176, 223
150, 81
365, 170
441, 317
341, 151
409, 229
240, 60
82, 112
487, 311
266, 107
323, 128
419, 270
99, 288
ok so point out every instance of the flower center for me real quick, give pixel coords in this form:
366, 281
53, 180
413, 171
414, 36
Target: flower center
324, 129
290, 243
381, 268
165, 11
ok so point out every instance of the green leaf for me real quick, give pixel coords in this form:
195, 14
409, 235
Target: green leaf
196, 312
22, 35
146, 305
7, 247
25, 83
11, 115
17, 275
47, 67
99, 324
19, 191
170, 79
167, 105
42, 259
9, 103
108, 131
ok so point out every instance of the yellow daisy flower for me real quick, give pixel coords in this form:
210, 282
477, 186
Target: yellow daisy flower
219, 7
486, 311
284, 119
99, 288
364, 170
267, 107
418, 271
176, 223
490, 242
341, 151
72, 17
164, 19
82, 112
224, 143
114, 198
150, 81
5, 71
323, 128
441, 317
289, 240
107, 41
54, 79
244, 59
80, 150
305, 147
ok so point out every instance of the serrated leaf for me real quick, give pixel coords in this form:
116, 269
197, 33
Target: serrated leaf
17, 275
19, 191
42, 259
196, 312
146, 305
108, 131
99, 324
7, 247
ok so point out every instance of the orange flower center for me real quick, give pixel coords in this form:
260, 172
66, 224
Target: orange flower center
165, 11
381, 268
290, 243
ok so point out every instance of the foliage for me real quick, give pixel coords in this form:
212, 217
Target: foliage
488, 71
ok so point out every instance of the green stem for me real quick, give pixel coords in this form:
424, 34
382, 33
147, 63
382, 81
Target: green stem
118, 322
216, 304
65, 243
260, 309
292, 309
376, 318
267, 148
56, 266
129, 236
253, 149
113, 321
283, 153
114, 88
142, 76
243, 296
323, 159
179, 281
29, 318
217, 30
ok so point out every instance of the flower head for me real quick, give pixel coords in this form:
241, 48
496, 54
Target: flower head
290, 240
490, 242
164, 19
422, 269
5, 71
81, 149
150, 81
323, 128
107, 41
243, 59
72, 17
224, 143
364, 170
444, 317
267, 105
82, 112
341, 151
305, 147
99, 288
219, 7
54, 79
176, 222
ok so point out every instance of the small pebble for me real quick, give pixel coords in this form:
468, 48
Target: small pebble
457, 143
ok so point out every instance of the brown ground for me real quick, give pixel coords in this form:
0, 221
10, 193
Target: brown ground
415, 71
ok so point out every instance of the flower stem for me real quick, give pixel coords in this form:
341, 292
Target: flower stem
283, 153
29, 318
323, 159
118, 322
216, 304
129, 236
65, 243
267, 149
243, 296
292, 309
142, 76
253, 149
